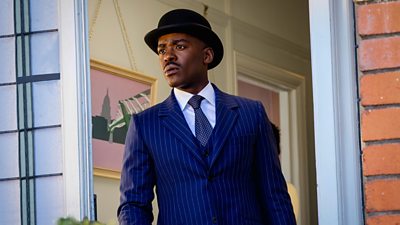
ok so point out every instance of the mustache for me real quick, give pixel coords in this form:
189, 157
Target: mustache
171, 63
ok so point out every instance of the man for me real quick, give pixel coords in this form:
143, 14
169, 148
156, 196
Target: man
211, 156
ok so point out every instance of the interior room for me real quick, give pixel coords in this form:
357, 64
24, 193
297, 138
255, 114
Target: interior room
267, 57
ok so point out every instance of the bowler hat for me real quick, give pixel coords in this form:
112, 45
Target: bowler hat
188, 22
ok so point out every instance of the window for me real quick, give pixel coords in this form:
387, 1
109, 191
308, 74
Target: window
31, 188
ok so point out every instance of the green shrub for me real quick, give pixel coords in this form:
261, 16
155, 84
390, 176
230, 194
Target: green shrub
72, 221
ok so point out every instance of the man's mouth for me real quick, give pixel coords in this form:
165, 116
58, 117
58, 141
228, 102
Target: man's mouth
171, 69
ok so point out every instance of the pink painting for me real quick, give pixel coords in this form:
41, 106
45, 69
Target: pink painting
117, 94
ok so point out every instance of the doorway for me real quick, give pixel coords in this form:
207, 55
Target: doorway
282, 94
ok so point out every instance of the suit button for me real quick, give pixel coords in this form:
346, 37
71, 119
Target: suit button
206, 153
210, 177
214, 220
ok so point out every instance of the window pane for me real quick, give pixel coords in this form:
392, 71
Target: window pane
46, 103
10, 202
7, 58
8, 112
44, 53
43, 15
9, 155
49, 200
6, 17
48, 156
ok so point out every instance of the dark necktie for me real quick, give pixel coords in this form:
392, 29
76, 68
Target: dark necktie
203, 128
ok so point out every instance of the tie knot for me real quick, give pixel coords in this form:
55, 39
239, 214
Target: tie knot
195, 101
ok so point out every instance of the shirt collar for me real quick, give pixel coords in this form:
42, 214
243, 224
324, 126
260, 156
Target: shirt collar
183, 97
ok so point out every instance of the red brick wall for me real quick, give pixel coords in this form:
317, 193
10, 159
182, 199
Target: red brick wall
378, 37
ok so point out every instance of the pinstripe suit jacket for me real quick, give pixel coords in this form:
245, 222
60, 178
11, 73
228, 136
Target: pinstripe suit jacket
238, 183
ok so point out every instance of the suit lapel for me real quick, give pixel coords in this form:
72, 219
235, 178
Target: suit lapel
172, 118
225, 120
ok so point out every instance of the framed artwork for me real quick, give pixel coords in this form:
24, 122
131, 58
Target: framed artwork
117, 94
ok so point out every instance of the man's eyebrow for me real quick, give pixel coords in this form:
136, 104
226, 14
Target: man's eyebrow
161, 45
180, 40
174, 42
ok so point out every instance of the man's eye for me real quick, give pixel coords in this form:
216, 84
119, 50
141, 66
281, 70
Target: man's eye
180, 47
161, 51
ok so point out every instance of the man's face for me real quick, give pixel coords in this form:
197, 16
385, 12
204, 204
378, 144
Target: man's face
184, 60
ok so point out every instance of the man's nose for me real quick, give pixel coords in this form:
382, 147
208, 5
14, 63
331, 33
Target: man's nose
169, 55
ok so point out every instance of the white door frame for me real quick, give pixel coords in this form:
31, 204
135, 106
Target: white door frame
335, 112
76, 109
291, 87
285, 111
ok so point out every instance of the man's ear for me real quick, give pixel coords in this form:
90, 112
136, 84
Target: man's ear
208, 55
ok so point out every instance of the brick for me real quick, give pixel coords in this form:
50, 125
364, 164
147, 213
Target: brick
379, 53
380, 124
381, 18
380, 89
384, 220
382, 195
381, 159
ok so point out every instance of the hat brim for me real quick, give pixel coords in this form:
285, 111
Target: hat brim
201, 32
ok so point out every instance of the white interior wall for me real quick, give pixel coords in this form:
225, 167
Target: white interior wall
285, 18
106, 43
109, 186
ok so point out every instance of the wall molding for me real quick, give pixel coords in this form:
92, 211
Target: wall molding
257, 69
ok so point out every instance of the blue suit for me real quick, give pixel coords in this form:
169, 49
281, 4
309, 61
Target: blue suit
235, 180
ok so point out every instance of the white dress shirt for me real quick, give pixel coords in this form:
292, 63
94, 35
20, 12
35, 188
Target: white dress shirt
207, 105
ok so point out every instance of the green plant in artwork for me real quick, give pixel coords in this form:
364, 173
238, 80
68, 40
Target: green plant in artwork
72, 221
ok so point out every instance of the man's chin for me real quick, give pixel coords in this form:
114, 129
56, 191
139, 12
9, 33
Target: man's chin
175, 85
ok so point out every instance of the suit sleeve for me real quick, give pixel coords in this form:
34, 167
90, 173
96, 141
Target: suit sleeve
271, 183
137, 180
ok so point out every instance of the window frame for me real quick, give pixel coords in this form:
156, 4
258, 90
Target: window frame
336, 117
